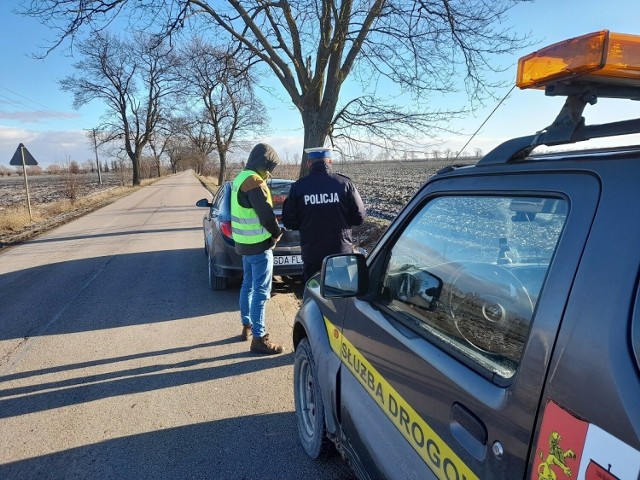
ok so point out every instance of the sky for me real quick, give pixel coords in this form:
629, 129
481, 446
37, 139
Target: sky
35, 112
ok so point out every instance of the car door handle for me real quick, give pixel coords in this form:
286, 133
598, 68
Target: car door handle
469, 430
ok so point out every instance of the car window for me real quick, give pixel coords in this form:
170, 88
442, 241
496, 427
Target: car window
215, 204
467, 272
222, 202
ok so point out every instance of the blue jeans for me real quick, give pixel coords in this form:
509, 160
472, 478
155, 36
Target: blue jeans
256, 290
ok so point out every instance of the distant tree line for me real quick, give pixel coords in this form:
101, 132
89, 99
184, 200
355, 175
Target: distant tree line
188, 157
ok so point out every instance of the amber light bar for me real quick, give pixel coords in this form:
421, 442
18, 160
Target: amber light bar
602, 57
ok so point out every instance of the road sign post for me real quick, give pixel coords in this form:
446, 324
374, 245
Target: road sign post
26, 184
24, 158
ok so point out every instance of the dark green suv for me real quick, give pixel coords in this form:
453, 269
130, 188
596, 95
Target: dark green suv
494, 330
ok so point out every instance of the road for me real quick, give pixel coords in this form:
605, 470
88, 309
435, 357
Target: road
118, 362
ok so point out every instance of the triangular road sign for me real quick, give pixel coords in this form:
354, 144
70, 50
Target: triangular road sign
17, 157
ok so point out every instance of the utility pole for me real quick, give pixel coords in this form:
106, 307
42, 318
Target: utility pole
94, 135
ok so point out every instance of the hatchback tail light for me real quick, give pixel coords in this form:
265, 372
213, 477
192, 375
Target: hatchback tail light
225, 228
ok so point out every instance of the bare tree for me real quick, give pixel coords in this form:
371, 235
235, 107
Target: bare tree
158, 145
221, 81
174, 150
178, 146
132, 78
410, 47
188, 142
201, 142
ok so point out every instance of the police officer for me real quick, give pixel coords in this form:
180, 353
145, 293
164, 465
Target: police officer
323, 206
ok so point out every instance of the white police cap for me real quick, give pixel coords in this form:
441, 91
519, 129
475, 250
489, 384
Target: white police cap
318, 153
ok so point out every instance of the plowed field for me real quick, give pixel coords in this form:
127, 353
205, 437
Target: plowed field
385, 188
50, 188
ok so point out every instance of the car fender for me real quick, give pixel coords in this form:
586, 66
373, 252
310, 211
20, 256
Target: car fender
310, 323
223, 264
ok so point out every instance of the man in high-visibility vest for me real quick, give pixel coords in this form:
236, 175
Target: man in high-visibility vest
255, 231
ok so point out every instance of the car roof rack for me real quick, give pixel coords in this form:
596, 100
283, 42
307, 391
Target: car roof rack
600, 64
569, 126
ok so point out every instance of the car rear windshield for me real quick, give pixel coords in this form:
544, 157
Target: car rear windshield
279, 193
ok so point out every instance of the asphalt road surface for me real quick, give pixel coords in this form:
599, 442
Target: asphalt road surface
118, 362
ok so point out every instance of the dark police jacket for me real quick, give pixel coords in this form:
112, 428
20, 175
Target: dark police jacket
323, 206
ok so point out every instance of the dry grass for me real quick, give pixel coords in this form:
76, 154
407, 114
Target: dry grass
15, 218
210, 183
16, 226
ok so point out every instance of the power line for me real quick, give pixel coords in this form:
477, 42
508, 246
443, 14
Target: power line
44, 110
27, 99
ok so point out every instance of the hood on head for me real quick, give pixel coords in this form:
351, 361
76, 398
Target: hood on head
262, 159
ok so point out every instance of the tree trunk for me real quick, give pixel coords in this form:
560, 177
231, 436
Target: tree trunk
316, 131
135, 162
223, 168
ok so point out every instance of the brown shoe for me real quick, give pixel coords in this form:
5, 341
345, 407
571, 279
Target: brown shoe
246, 332
263, 345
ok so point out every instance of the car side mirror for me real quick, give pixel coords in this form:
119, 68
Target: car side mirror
432, 288
203, 202
415, 286
344, 275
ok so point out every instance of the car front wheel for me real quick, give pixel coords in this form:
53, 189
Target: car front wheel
308, 400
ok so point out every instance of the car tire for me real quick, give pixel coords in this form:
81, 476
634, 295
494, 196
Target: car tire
308, 403
215, 282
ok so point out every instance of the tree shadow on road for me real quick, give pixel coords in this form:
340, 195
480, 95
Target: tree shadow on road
109, 292
240, 448
161, 374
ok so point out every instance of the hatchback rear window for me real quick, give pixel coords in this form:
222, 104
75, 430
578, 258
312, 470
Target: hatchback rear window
279, 193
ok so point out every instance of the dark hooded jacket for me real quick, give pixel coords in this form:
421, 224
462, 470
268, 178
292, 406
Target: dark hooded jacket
254, 192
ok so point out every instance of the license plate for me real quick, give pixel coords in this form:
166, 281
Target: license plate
287, 260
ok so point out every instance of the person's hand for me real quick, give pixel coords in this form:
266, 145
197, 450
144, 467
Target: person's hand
274, 241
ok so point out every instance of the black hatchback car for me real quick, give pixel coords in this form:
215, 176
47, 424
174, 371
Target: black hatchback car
225, 265
494, 330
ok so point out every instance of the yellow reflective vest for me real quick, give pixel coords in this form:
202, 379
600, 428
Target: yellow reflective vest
245, 224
